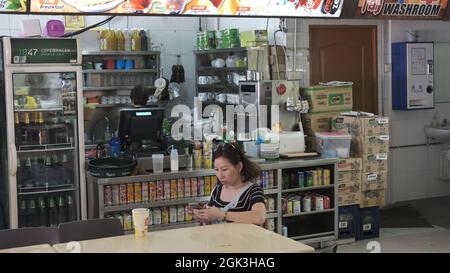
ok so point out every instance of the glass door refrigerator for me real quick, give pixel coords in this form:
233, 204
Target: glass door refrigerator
43, 175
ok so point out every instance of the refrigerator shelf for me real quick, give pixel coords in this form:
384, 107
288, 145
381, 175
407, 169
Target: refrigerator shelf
46, 190
44, 126
46, 148
40, 110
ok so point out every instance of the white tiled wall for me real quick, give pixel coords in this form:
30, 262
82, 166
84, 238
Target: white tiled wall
413, 171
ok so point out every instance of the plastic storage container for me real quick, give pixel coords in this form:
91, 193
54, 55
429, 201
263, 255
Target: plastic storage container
333, 144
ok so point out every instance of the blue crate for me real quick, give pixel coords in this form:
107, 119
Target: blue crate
368, 223
347, 221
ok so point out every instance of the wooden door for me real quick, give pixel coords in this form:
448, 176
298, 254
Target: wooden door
347, 53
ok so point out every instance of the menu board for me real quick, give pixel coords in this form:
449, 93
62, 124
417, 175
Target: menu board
401, 9
15, 6
263, 8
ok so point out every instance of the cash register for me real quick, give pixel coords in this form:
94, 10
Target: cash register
140, 130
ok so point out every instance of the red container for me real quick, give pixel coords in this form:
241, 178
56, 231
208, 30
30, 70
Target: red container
109, 64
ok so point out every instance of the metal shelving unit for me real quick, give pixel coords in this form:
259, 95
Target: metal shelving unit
120, 71
314, 234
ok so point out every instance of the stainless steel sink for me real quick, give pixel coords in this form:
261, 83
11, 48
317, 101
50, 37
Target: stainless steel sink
437, 133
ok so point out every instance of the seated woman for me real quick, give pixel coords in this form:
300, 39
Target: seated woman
235, 198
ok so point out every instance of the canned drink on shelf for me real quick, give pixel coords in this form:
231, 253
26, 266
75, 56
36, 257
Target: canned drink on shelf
173, 214
318, 202
284, 231
309, 179
326, 177
157, 216
201, 186
290, 206
326, 202
293, 180
213, 182
164, 215
315, 178
207, 185
301, 179
153, 195
194, 190
285, 181
270, 224
180, 188
173, 189
319, 177
123, 194
127, 221
137, 192
306, 204
115, 195
266, 178
120, 217
144, 191
160, 190
130, 193
150, 217
187, 187
180, 213
271, 180
187, 213
297, 206
166, 190
270, 204
284, 205
107, 192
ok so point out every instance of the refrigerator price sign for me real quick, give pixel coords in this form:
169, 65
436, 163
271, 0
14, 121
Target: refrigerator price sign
32, 51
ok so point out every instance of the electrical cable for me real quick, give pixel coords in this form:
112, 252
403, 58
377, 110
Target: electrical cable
71, 34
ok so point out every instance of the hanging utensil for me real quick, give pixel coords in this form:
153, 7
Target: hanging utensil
177, 71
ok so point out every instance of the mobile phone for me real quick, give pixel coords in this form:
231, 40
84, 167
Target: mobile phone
197, 205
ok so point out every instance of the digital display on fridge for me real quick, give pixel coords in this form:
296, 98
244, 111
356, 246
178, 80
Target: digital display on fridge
13, 6
264, 8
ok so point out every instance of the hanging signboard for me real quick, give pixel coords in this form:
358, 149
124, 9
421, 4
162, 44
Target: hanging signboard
401, 9
13, 6
263, 8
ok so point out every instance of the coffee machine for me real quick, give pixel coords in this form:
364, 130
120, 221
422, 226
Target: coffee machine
284, 94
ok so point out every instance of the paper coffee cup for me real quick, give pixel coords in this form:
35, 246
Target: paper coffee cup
140, 221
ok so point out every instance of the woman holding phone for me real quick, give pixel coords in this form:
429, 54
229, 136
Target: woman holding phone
236, 198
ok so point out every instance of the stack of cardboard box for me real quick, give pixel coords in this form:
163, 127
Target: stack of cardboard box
277, 61
370, 141
325, 102
349, 181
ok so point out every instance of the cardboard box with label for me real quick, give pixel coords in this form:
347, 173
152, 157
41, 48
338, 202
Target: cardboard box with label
349, 176
374, 163
362, 145
318, 122
361, 126
374, 181
254, 38
350, 164
328, 98
349, 193
372, 198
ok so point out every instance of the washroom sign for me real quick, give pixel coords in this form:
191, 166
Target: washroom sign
401, 9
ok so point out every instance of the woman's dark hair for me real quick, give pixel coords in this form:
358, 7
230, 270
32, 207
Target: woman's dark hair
234, 154
139, 95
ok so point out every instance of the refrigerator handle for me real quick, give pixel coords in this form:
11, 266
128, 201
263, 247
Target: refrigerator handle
13, 162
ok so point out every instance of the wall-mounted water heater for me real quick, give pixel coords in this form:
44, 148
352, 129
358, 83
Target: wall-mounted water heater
412, 76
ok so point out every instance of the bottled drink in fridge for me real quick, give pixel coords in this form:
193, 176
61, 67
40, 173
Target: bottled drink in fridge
43, 219
37, 173
19, 176
32, 215
66, 170
23, 213
52, 213
71, 211
27, 174
143, 39
61, 210
48, 171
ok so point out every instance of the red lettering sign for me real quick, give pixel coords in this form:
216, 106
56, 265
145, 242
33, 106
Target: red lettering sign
373, 6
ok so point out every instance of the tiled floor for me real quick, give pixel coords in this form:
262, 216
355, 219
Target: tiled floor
423, 240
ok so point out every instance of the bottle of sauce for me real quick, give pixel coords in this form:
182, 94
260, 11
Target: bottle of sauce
136, 40
120, 39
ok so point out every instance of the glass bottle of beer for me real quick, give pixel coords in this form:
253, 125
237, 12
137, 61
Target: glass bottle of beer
19, 176
43, 218
71, 212
17, 131
67, 170
23, 213
48, 177
52, 213
32, 215
61, 210
36, 173
27, 174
